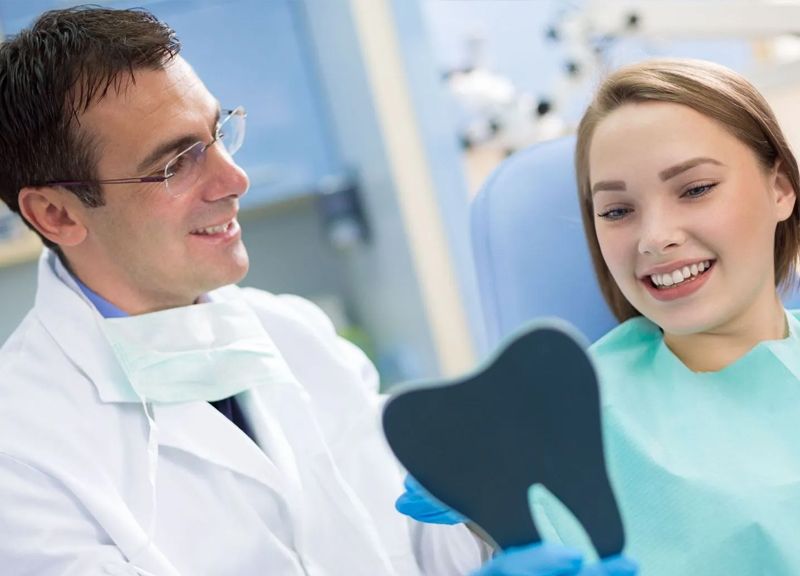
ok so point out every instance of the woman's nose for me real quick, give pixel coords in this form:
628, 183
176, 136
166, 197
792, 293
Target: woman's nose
660, 233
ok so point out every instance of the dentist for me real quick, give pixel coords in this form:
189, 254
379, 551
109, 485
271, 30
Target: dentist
155, 418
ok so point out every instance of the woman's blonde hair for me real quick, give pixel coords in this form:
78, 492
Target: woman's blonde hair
716, 92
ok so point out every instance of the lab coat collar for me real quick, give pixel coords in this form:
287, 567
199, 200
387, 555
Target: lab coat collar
193, 427
74, 323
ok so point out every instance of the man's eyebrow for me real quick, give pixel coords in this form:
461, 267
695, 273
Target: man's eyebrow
687, 165
174, 146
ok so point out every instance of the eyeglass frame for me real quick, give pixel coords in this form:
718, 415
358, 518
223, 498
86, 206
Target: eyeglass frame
229, 113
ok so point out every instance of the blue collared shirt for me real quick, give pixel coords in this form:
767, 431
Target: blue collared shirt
106, 308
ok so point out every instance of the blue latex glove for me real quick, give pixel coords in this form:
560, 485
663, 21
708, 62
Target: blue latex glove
545, 559
422, 506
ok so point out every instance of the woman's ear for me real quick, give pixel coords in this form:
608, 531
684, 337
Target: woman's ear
55, 213
784, 194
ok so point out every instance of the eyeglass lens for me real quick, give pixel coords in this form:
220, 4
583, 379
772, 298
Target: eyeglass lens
184, 170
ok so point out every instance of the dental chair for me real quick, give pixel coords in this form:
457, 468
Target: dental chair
530, 252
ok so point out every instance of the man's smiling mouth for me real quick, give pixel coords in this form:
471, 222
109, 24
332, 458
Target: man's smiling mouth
213, 230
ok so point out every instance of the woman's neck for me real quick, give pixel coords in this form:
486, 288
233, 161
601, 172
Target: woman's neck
713, 350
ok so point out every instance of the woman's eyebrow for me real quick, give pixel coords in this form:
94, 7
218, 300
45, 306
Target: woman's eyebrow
687, 165
664, 175
608, 185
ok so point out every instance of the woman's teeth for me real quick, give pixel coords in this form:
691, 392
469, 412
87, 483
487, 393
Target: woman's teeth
680, 275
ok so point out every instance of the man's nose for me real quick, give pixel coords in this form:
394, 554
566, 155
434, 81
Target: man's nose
224, 177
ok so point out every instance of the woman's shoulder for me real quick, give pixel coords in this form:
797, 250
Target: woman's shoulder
630, 348
625, 359
633, 335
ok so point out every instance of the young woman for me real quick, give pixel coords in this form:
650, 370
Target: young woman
688, 191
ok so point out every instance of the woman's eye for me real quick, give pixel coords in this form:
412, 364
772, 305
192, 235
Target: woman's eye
697, 191
615, 213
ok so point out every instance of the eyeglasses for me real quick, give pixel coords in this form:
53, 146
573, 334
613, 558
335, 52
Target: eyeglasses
181, 173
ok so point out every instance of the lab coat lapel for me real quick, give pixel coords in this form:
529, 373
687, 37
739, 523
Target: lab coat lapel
198, 429
288, 431
271, 437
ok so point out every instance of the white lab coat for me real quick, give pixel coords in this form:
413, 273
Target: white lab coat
314, 497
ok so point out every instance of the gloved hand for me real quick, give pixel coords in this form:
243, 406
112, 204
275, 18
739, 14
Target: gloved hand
545, 559
422, 506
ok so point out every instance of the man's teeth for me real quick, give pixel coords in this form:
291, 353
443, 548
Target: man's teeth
212, 229
680, 275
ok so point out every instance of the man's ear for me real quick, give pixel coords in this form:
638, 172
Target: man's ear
56, 213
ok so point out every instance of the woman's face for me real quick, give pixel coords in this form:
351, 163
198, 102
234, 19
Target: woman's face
685, 217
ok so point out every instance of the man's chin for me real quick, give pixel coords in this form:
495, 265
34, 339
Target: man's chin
242, 264
234, 273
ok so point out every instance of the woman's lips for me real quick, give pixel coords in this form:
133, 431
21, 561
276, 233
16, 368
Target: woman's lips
680, 290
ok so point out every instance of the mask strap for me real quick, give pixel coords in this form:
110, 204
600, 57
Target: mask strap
152, 469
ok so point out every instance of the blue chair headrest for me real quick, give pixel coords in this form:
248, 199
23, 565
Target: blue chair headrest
530, 251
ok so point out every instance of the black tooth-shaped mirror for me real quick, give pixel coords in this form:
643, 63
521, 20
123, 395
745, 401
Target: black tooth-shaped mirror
530, 416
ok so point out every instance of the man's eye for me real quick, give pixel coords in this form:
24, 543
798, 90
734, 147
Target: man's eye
175, 166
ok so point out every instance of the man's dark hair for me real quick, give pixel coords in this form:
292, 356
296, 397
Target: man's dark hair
53, 72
